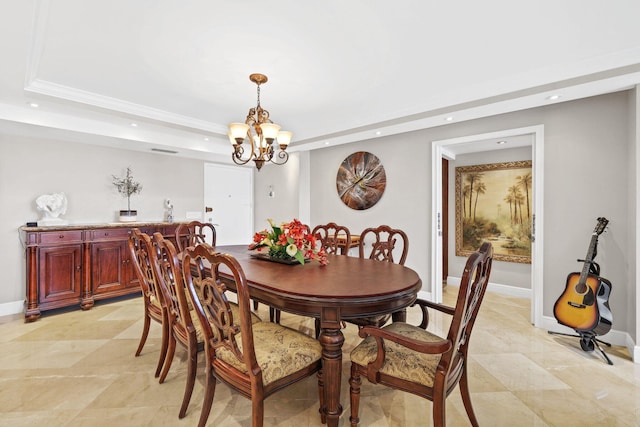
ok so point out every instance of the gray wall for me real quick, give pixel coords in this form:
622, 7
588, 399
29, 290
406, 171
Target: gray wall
586, 175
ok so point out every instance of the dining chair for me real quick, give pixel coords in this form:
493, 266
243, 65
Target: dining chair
384, 244
327, 236
184, 326
412, 359
154, 304
256, 359
194, 232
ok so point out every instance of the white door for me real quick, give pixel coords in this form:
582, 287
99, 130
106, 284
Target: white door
228, 200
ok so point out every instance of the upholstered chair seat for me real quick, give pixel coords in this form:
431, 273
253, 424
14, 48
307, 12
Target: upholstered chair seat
280, 351
400, 361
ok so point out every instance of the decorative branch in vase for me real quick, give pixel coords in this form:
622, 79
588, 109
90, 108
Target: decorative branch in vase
127, 187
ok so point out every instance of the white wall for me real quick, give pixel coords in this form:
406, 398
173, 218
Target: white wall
31, 167
284, 205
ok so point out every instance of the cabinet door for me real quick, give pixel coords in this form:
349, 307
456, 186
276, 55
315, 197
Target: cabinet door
60, 275
109, 269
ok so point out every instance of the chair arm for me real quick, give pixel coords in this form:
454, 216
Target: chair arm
423, 304
434, 347
440, 307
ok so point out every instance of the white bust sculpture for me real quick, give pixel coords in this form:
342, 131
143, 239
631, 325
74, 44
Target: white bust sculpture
52, 206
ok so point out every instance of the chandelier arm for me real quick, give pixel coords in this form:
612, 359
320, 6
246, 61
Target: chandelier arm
239, 161
236, 156
282, 155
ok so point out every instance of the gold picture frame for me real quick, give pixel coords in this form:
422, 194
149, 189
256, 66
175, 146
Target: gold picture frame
494, 203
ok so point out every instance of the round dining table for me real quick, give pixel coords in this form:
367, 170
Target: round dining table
347, 288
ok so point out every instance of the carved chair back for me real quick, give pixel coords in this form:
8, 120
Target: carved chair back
327, 235
384, 243
193, 233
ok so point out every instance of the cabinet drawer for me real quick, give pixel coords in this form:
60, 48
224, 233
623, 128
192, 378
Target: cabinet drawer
61, 237
109, 234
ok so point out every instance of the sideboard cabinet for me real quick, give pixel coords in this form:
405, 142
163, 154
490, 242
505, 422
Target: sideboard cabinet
77, 265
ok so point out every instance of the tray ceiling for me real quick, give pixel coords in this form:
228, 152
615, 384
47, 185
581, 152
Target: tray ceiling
338, 71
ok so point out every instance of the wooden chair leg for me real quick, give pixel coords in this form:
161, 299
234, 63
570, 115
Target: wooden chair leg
163, 348
438, 409
466, 398
145, 332
257, 411
354, 394
171, 350
192, 365
274, 315
209, 392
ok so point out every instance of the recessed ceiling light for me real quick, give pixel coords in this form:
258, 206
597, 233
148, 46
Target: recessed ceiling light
326, 143
206, 138
553, 97
33, 105
135, 125
378, 133
448, 119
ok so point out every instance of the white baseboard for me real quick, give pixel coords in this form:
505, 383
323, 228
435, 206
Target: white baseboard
9, 308
497, 288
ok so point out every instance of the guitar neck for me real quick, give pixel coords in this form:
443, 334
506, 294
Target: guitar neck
589, 258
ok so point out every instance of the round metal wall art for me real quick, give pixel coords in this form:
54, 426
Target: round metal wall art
361, 180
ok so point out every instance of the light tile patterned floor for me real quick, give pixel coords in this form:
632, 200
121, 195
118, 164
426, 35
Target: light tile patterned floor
78, 368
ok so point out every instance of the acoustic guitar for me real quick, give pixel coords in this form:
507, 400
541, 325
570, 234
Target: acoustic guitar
584, 304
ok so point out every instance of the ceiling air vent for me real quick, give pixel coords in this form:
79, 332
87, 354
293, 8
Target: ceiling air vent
161, 150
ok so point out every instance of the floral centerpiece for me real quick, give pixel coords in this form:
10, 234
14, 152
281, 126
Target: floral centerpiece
290, 240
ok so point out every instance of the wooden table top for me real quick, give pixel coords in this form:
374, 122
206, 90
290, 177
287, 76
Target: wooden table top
359, 286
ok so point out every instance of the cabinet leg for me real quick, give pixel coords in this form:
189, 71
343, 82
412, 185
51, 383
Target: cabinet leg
86, 303
31, 315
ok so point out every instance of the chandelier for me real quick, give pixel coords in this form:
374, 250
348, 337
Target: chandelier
261, 133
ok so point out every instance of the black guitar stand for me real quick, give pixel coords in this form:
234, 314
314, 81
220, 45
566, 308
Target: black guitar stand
588, 340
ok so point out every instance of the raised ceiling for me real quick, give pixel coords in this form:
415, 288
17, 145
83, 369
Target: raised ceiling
338, 71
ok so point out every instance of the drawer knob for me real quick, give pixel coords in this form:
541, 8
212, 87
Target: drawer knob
61, 236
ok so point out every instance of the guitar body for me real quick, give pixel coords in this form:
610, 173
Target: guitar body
576, 307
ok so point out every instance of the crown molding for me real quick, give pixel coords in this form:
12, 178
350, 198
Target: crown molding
55, 90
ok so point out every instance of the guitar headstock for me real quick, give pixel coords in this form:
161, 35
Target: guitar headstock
601, 226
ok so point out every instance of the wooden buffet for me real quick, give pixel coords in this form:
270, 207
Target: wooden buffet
79, 264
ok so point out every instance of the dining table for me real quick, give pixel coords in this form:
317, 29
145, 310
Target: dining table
346, 288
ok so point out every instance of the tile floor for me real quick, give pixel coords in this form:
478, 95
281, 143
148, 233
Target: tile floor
78, 368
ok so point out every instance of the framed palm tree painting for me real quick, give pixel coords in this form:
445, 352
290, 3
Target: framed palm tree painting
494, 203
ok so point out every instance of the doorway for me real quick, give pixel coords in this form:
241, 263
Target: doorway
446, 149
228, 201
